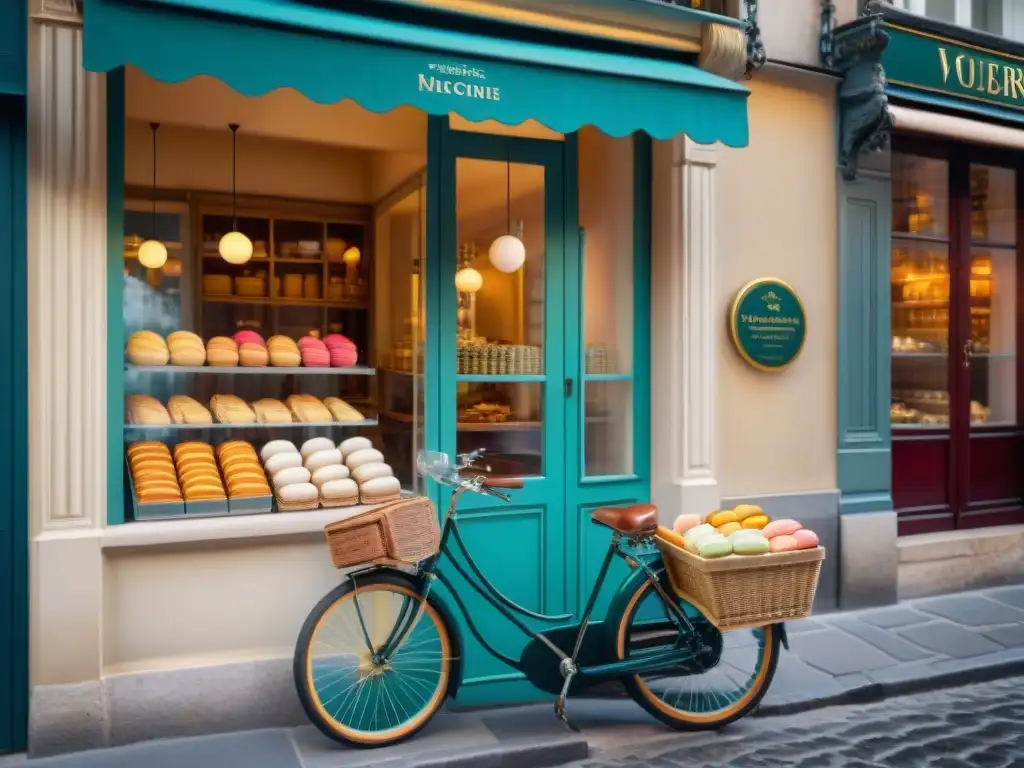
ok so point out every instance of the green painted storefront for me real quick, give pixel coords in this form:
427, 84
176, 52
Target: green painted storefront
13, 383
541, 550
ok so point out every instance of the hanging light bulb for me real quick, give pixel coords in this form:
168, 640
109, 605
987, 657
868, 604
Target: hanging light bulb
153, 253
351, 256
468, 280
507, 253
234, 247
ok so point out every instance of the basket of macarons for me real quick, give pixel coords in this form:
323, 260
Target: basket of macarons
742, 569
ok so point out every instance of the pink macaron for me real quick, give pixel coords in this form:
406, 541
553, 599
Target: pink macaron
343, 350
313, 357
248, 337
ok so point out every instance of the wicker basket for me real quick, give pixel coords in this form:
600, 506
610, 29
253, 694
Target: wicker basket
405, 531
740, 592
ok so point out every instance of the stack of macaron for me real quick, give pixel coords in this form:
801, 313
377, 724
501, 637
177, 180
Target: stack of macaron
186, 348
198, 473
241, 468
153, 474
745, 530
284, 352
377, 483
283, 464
342, 350
314, 352
231, 409
328, 473
147, 348
147, 410
252, 349
308, 409
222, 351
186, 410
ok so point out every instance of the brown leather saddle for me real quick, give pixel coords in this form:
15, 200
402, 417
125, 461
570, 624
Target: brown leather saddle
636, 520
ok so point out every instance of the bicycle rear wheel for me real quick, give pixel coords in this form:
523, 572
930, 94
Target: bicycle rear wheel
351, 694
721, 684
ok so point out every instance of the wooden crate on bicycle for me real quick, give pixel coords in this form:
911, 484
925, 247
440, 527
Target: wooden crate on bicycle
405, 531
744, 591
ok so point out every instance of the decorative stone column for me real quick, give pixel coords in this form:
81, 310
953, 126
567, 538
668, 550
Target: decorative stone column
686, 328
67, 275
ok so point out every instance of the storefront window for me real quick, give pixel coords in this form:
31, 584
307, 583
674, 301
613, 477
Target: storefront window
501, 312
920, 292
317, 335
992, 288
606, 221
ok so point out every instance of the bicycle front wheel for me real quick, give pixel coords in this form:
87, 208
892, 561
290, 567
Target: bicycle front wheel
348, 691
724, 681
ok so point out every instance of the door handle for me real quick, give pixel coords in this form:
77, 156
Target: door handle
568, 387
967, 354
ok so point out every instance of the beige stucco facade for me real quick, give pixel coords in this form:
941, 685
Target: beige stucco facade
181, 627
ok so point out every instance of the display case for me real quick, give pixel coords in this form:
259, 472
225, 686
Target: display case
224, 362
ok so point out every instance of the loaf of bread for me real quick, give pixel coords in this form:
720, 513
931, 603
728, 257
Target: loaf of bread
308, 409
342, 411
147, 348
353, 444
231, 409
197, 470
147, 410
371, 471
186, 348
186, 410
271, 411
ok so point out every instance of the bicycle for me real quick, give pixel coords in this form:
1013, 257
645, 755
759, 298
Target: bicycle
403, 661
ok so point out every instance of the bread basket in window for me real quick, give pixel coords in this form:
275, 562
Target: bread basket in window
404, 531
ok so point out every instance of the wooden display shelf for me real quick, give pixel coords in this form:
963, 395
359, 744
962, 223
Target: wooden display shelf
267, 370
128, 428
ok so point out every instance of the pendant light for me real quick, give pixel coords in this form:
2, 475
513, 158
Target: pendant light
507, 253
467, 279
153, 253
235, 247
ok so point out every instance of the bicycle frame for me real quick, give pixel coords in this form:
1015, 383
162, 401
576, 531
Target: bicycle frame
509, 609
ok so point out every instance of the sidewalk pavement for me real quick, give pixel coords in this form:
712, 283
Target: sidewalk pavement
835, 659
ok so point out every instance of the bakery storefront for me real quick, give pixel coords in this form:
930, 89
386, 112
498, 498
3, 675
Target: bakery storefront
947, 192
328, 227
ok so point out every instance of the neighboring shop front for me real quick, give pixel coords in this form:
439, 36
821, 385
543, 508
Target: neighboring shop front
931, 249
374, 163
13, 385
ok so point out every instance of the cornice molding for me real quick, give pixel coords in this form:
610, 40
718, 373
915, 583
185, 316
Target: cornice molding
865, 121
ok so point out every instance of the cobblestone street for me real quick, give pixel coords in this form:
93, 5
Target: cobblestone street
979, 726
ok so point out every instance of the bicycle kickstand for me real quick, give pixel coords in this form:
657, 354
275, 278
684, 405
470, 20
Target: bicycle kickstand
568, 669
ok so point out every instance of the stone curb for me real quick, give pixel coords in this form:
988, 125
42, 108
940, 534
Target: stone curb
950, 673
521, 755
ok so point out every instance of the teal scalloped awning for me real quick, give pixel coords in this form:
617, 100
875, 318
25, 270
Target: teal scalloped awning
256, 46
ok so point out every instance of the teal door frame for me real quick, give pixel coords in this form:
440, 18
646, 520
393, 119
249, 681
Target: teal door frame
571, 546
13, 427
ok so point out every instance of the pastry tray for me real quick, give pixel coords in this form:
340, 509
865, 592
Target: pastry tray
158, 511
252, 505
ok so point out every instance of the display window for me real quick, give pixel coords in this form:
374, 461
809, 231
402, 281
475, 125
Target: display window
278, 264
954, 314
272, 271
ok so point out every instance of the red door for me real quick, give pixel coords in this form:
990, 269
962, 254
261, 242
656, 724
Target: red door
955, 329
